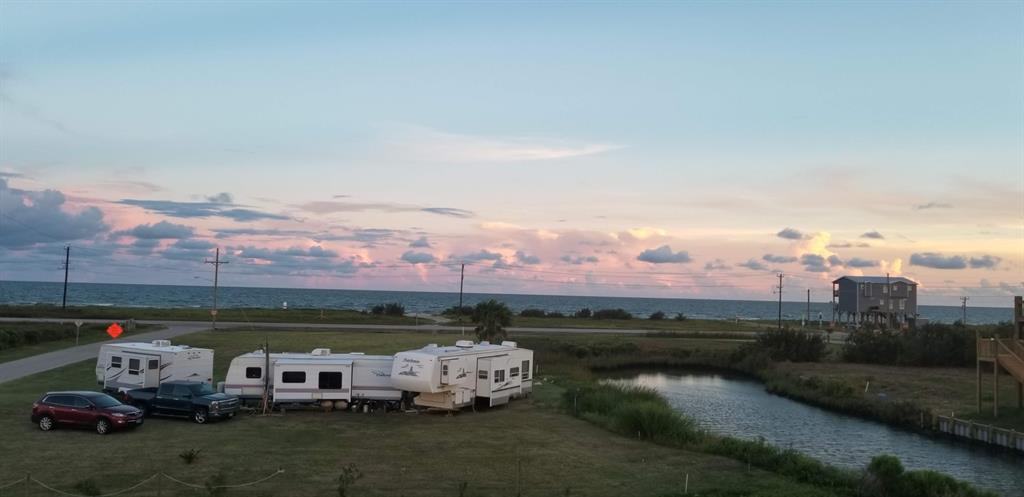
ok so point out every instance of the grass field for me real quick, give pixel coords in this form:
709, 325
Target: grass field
89, 333
529, 444
331, 316
943, 390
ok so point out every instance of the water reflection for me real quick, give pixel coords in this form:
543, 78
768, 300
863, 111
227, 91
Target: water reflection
742, 408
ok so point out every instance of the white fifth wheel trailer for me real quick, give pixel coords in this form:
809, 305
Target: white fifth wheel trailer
314, 377
128, 365
452, 377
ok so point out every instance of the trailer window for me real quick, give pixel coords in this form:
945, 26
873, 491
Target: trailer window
526, 370
115, 361
482, 374
293, 377
513, 373
499, 376
330, 380
444, 369
254, 373
154, 364
134, 365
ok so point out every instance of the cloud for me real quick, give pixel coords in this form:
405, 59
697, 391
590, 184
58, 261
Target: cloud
31, 217
221, 198
664, 255
420, 242
779, 259
873, 235
791, 234
834, 260
233, 232
984, 262
716, 265
144, 246
937, 261
523, 258
188, 250
482, 255
200, 209
421, 143
413, 257
577, 260
753, 264
814, 263
848, 245
161, 230
295, 261
857, 262
933, 205
334, 206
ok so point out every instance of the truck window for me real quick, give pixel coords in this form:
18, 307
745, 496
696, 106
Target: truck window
200, 389
59, 400
330, 380
134, 365
79, 403
526, 370
256, 373
181, 391
115, 361
293, 377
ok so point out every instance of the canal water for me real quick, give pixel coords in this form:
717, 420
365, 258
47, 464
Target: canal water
739, 407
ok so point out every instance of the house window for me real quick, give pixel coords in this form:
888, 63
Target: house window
154, 364
115, 361
903, 305
513, 373
330, 380
255, 373
885, 289
134, 365
499, 376
293, 377
526, 370
482, 374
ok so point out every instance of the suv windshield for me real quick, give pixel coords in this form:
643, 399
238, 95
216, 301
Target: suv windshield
104, 401
201, 389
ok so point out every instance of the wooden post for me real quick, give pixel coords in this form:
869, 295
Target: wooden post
995, 387
977, 389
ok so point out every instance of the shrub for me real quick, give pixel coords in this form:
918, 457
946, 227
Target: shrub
680, 317
491, 318
190, 455
929, 345
790, 345
612, 314
583, 313
657, 316
347, 478
455, 311
555, 314
390, 309
532, 313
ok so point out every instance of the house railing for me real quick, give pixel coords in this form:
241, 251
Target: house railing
987, 348
989, 434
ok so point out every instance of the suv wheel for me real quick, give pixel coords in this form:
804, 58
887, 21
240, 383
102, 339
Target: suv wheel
200, 416
102, 427
46, 423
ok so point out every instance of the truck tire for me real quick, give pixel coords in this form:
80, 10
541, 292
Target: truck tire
102, 426
200, 416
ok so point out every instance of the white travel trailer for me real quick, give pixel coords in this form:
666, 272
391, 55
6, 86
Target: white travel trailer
124, 366
453, 377
316, 376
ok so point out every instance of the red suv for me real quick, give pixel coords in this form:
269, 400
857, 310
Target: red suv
93, 409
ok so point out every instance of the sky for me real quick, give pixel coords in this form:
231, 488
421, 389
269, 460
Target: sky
688, 149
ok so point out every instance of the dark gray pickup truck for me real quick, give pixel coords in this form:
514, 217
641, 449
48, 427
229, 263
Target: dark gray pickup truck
184, 399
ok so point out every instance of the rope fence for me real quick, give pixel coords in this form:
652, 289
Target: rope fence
29, 479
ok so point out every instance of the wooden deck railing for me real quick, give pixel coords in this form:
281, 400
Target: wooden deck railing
987, 348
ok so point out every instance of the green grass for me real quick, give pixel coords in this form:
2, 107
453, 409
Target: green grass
399, 454
89, 333
332, 316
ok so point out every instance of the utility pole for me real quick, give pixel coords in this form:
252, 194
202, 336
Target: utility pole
67, 259
888, 302
963, 310
808, 314
216, 273
780, 301
462, 278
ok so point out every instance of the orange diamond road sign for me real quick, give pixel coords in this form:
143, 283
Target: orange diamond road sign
114, 330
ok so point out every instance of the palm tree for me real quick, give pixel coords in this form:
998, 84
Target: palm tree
491, 318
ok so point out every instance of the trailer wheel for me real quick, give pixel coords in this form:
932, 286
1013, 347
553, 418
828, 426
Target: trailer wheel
200, 416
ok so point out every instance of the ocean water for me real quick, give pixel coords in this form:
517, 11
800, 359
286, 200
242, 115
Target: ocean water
22, 292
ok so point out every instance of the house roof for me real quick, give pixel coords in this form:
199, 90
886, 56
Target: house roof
877, 279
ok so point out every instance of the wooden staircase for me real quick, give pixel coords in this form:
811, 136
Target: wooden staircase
1004, 354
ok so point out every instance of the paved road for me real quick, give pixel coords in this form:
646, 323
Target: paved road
43, 362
